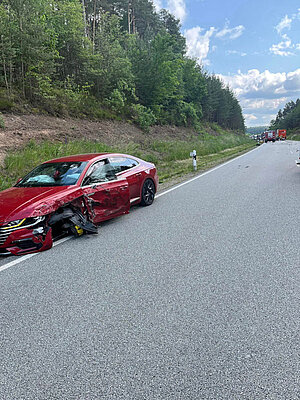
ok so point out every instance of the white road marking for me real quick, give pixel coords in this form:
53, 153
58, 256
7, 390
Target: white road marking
23, 258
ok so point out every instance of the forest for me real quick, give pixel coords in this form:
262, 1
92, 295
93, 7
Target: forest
255, 130
288, 117
107, 59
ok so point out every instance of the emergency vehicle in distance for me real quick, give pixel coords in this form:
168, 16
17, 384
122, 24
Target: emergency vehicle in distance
281, 133
270, 136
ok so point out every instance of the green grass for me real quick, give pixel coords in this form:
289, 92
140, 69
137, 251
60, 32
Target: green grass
171, 157
173, 169
180, 150
293, 134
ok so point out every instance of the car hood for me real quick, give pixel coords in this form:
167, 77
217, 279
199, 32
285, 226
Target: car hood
23, 202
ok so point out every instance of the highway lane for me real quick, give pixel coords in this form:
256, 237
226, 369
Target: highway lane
195, 297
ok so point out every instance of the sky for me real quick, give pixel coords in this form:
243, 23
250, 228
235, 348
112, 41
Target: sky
252, 45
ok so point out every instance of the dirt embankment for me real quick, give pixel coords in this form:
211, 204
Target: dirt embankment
20, 129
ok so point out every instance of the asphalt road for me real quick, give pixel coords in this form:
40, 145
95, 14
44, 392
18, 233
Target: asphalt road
195, 297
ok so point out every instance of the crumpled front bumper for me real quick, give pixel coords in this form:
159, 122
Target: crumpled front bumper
24, 241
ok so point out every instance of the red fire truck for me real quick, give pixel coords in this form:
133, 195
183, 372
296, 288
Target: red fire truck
281, 134
270, 136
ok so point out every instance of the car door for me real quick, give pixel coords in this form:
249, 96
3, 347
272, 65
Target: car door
118, 191
106, 196
131, 170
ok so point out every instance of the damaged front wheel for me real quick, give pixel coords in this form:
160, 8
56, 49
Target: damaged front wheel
72, 221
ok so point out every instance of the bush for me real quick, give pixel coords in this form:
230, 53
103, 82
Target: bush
117, 101
186, 114
6, 104
143, 117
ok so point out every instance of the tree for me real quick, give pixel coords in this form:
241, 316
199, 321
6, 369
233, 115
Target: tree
172, 27
117, 54
158, 71
73, 48
289, 118
30, 41
110, 68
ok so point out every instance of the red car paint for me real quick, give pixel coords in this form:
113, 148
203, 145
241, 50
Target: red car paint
270, 136
97, 201
281, 134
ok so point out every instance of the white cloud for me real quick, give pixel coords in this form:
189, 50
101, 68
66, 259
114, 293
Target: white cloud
230, 33
293, 81
250, 117
264, 85
263, 105
198, 43
262, 93
283, 48
158, 5
235, 52
177, 8
296, 15
285, 23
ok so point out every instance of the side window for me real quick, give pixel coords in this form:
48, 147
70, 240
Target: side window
121, 164
101, 171
131, 163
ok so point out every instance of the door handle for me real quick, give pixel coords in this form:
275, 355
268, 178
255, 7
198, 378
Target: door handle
107, 190
123, 187
139, 174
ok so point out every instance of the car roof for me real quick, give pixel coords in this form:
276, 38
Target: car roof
89, 157
79, 157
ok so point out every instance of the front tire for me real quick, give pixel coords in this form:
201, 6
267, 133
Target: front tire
148, 193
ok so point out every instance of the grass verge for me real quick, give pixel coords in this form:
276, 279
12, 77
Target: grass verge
171, 157
176, 169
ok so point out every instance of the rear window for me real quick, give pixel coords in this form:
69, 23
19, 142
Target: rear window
121, 164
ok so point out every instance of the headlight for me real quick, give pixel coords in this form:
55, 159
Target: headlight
23, 223
14, 224
33, 221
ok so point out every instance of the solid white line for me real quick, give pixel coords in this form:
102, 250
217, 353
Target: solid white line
23, 258
12, 263
204, 173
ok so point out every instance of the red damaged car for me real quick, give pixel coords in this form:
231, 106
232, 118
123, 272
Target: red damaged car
71, 195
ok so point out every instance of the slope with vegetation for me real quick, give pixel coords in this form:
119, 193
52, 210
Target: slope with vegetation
288, 118
32, 139
116, 59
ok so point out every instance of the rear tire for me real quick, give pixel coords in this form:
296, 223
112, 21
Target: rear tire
148, 193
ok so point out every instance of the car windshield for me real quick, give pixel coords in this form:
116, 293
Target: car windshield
54, 174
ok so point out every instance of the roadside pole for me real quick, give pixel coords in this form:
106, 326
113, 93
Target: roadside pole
194, 155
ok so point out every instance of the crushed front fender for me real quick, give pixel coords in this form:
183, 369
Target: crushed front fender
30, 241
